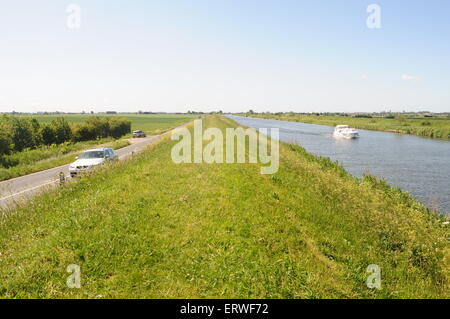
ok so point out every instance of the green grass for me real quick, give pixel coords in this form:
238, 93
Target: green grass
431, 127
150, 123
149, 228
31, 161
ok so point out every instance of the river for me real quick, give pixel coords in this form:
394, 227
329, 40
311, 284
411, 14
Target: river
418, 165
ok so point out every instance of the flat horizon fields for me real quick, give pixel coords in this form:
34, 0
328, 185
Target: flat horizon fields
150, 228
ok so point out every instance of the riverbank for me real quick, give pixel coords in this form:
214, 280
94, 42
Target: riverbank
429, 127
150, 228
417, 165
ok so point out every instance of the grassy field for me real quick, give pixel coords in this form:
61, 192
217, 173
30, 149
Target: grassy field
31, 161
149, 228
432, 127
150, 123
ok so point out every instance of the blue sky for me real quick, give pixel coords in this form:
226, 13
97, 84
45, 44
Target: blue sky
233, 55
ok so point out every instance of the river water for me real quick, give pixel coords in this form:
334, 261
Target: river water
420, 166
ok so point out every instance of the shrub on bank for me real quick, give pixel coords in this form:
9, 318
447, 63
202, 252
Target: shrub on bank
20, 133
5, 141
96, 128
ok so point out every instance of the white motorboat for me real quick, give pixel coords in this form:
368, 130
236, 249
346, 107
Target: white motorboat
345, 131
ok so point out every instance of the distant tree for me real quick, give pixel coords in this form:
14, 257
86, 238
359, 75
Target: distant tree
5, 141
36, 132
101, 126
83, 132
119, 127
48, 135
19, 133
22, 133
63, 131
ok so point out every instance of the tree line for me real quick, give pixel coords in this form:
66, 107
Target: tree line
20, 133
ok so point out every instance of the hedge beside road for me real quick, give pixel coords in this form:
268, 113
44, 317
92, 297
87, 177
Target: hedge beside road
20, 133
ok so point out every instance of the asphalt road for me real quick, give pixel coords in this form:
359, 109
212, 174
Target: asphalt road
18, 190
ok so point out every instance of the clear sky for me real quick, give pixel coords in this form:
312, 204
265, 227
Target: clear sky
233, 55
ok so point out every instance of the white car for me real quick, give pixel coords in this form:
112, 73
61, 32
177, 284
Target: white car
137, 134
90, 159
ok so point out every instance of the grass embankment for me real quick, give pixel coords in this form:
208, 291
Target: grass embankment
152, 124
151, 228
431, 127
46, 157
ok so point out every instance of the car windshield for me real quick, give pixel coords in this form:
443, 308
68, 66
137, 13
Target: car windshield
92, 154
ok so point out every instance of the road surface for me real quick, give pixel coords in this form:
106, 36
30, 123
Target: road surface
20, 189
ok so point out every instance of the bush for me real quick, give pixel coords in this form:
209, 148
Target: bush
63, 131
5, 142
21, 133
36, 131
120, 127
18, 133
48, 135
83, 133
100, 126
96, 128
